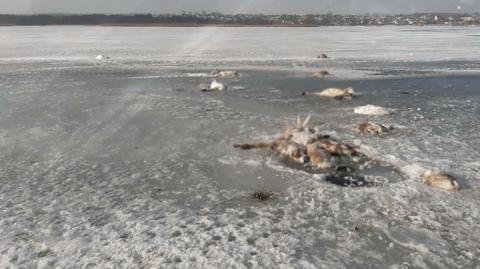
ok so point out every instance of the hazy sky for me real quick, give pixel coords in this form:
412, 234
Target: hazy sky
238, 6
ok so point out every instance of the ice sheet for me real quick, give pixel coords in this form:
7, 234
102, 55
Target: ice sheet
124, 163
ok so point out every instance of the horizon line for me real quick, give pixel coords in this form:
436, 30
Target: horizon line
235, 14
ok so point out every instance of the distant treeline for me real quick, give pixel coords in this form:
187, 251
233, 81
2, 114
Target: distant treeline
99, 19
203, 18
103, 19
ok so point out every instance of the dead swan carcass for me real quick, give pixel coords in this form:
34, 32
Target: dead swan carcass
336, 93
281, 146
305, 145
319, 74
440, 180
102, 58
214, 86
372, 128
372, 110
230, 74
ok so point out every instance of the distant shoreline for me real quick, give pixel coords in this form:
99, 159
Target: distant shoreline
238, 20
227, 25
170, 25
202, 25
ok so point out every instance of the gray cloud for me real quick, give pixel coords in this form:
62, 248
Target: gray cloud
238, 6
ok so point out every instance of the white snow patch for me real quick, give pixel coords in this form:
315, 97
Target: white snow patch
372, 110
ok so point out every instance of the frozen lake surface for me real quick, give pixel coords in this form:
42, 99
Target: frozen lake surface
124, 163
